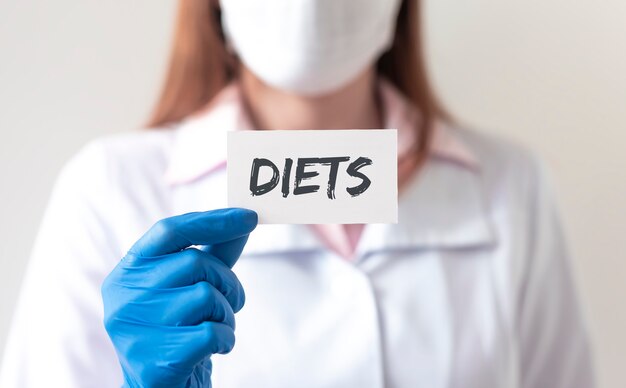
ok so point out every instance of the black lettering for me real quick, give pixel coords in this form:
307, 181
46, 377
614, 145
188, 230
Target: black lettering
353, 170
301, 175
286, 177
332, 175
257, 189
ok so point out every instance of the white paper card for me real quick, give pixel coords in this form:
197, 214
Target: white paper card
315, 176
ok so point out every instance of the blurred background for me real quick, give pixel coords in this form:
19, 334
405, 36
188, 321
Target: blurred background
548, 73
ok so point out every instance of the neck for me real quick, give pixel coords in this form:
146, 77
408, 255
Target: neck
355, 106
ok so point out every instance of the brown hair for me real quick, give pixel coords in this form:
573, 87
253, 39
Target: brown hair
200, 65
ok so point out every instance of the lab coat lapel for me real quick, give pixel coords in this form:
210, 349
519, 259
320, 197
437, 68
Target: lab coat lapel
443, 208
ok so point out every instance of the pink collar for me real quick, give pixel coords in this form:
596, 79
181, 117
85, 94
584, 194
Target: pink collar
200, 141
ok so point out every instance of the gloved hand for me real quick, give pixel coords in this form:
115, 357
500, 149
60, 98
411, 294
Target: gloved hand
169, 306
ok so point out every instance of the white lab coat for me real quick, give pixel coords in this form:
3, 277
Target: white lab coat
471, 289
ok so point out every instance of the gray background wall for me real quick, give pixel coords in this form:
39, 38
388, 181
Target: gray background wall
549, 73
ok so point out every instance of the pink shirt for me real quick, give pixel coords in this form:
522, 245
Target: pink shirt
398, 113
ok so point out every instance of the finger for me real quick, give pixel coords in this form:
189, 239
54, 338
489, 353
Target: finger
218, 337
187, 346
209, 338
176, 233
229, 251
181, 269
189, 306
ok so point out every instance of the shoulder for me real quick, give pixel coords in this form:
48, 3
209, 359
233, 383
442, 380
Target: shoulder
130, 148
116, 173
516, 185
503, 163
518, 190
497, 153
115, 180
141, 154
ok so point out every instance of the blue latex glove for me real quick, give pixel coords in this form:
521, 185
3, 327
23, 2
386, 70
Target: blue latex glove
168, 307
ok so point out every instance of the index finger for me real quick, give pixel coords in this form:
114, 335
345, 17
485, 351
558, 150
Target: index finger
173, 234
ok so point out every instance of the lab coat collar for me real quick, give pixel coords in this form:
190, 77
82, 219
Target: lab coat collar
443, 207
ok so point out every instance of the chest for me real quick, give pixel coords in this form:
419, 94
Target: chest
419, 319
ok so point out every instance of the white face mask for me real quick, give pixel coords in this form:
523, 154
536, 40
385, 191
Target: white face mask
309, 47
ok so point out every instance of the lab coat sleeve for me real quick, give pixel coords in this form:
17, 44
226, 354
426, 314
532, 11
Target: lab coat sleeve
554, 344
57, 337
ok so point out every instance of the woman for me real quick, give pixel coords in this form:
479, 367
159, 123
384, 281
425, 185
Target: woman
471, 289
